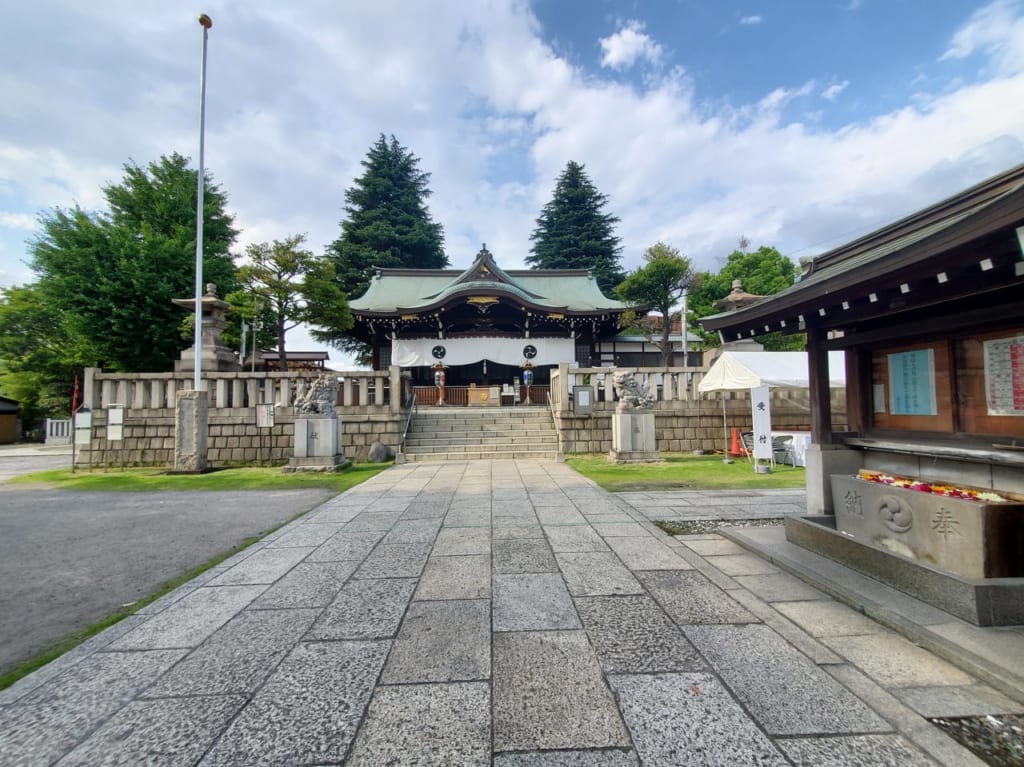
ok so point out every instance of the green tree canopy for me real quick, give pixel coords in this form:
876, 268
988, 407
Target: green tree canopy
762, 272
659, 285
111, 276
294, 285
574, 231
387, 224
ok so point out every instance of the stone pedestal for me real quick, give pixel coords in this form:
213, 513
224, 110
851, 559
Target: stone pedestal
633, 438
822, 461
190, 430
317, 445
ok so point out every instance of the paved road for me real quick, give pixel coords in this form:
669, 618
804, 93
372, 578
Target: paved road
500, 614
68, 559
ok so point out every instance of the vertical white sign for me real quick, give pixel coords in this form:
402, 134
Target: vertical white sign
761, 405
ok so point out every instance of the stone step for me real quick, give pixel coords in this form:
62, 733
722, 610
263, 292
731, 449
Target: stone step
522, 439
490, 430
471, 446
541, 455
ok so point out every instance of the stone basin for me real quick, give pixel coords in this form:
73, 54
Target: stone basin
975, 539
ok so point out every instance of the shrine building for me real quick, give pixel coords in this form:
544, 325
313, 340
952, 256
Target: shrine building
484, 324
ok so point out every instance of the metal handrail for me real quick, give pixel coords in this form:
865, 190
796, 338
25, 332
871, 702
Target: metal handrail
410, 405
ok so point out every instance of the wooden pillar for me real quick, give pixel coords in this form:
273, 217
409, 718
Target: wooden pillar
858, 406
821, 405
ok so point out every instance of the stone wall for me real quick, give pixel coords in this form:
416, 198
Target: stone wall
232, 438
683, 426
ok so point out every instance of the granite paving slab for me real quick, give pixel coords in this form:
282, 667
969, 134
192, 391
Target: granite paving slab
560, 515
390, 503
896, 662
426, 510
308, 584
949, 702
365, 609
779, 587
502, 531
340, 514
413, 531
689, 598
465, 577
309, 709
647, 554
596, 573
532, 602
56, 716
180, 592
574, 538
346, 545
549, 694
452, 541
742, 564
435, 724
398, 560
523, 555
712, 547
783, 689
305, 534
189, 621
826, 618
626, 528
632, 635
591, 758
237, 657
690, 719
442, 642
170, 732
855, 751
366, 521
265, 566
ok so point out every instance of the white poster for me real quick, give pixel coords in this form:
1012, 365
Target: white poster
1004, 375
761, 404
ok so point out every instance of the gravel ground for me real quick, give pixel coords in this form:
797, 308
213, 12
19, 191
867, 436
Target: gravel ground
705, 526
998, 740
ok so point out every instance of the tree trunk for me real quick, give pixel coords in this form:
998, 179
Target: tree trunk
280, 344
666, 346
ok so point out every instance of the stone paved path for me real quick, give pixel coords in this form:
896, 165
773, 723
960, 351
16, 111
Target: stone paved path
490, 613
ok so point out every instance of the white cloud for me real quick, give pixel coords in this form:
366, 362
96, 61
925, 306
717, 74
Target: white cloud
628, 45
996, 30
17, 221
751, 20
297, 94
831, 93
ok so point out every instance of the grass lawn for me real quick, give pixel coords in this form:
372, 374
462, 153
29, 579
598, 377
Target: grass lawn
242, 478
683, 471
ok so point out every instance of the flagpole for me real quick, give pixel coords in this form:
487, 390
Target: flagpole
205, 23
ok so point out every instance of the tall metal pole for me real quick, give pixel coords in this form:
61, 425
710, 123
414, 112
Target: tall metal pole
205, 23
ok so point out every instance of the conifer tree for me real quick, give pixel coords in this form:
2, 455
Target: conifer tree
574, 231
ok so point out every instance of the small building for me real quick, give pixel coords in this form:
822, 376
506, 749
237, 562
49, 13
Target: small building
8, 421
270, 361
483, 323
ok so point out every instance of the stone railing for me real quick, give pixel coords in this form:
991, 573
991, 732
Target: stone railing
678, 384
140, 391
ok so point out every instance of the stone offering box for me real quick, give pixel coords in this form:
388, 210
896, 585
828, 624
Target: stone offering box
974, 539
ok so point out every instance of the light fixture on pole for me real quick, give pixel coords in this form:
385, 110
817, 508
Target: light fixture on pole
205, 22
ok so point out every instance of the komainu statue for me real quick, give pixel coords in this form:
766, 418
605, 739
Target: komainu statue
630, 394
319, 398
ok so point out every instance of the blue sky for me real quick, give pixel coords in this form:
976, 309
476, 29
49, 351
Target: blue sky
796, 124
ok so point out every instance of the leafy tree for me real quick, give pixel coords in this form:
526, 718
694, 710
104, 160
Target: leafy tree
387, 224
574, 231
294, 285
659, 285
38, 358
762, 272
111, 276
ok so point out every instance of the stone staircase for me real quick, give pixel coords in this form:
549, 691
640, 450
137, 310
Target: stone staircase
468, 433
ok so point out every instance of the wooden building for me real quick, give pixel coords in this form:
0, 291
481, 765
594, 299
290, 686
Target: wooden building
930, 314
8, 421
483, 323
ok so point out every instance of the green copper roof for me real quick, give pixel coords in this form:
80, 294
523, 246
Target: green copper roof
394, 290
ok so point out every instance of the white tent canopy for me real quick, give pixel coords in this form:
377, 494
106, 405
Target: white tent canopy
748, 370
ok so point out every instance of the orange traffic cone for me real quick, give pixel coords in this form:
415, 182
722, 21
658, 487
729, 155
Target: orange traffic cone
734, 448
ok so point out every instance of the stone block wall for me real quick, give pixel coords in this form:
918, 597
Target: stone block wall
232, 437
683, 426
